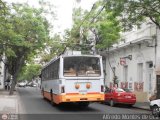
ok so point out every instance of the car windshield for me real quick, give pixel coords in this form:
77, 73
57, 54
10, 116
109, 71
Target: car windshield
119, 90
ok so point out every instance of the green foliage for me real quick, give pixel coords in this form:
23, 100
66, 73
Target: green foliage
104, 25
134, 12
24, 32
55, 46
108, 29
29, 72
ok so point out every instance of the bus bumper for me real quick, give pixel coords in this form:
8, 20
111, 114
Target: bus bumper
78, 98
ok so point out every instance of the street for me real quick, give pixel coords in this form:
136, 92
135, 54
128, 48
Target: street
33, 106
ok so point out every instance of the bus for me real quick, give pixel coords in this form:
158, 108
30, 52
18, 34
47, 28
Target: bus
73, 78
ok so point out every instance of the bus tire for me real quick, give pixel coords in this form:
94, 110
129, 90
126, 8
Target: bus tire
52, 101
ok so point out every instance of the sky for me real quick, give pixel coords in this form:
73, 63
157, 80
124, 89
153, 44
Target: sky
63, 11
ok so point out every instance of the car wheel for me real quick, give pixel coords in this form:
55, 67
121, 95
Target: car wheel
155, 111
111, 103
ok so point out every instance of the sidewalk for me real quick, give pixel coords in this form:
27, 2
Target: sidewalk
8, 104
142, 105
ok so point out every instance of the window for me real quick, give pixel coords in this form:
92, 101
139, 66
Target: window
55, 70
140, 72
51, 72
125, 73
82, 66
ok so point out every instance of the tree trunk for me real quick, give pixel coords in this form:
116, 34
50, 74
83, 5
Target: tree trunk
13, 84
14, 81
15, 75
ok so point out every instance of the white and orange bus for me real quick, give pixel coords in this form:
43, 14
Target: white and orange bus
73, 78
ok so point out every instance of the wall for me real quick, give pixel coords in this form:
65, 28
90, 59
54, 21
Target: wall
140, 45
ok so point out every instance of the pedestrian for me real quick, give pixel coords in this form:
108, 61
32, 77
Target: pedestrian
5, 85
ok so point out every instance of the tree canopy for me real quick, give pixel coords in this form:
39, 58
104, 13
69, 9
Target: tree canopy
103, 25
30, 72
134, 12
24, 32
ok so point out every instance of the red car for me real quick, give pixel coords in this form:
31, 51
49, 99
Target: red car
119, 95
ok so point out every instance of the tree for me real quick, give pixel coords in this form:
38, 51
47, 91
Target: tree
134, 12
29, 72
104, 25
74, 36
23, 34
55, 46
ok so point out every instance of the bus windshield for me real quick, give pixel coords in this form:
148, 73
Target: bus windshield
82, 66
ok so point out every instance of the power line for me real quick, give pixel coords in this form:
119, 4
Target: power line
86, 16
97, 14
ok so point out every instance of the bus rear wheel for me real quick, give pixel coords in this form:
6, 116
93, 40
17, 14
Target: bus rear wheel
52, 101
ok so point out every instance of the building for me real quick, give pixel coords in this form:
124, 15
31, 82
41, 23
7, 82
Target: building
134, 61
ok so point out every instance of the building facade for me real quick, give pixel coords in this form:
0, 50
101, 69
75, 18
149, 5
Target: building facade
134, 61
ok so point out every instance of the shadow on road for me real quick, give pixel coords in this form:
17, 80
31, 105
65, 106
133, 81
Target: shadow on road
72, 107
119, 105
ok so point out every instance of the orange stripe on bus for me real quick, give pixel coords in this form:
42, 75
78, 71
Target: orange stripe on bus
72, 93
93, 93
75, 97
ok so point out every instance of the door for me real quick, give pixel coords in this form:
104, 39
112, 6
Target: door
150, 79
158, 86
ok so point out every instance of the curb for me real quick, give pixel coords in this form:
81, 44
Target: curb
142, 108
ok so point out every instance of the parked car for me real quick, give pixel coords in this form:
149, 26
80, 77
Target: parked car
155, 107
34, 85
21, 84
119, 95
31, 84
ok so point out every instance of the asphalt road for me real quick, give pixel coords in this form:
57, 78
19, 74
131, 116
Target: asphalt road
34, 107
